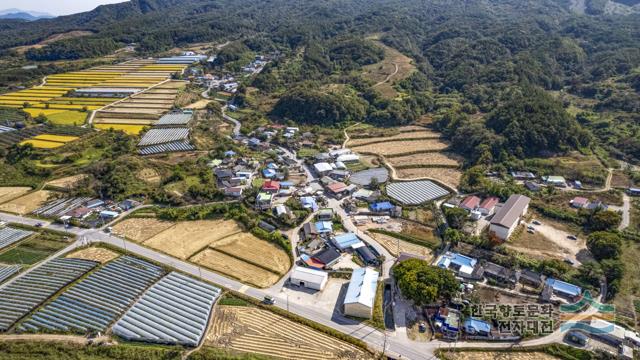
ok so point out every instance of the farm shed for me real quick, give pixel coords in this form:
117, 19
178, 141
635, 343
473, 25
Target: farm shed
325, 214
98, 300
348, 158
175, 310
365, 253
415, 192
476, 327
361, 293
22, 295
309, 278
558, 181
506, 219
564, 289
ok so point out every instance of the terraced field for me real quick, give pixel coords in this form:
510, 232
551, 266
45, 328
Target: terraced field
12, 192
414, 153
48, 141
253, 330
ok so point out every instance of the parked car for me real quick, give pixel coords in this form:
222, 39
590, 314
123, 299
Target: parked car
269, 300
530, 227
572, 237
422, 327
536, 222
531, 231
39, 224
569, 261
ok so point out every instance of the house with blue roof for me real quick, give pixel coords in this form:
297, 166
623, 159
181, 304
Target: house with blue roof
361, 293
268, 173
476, 327
563, 289
324, 227
381, 207
309, 202
458, 263
346, 241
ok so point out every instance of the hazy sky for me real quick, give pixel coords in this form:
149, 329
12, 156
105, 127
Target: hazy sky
55, 7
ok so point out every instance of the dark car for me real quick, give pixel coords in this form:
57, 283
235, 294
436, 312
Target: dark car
268, 300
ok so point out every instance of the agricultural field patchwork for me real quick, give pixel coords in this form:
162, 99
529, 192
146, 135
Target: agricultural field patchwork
27, 203
414, 153
253, 330
47, 141
12, 192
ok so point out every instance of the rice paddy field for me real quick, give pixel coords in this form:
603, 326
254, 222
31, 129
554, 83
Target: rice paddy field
27, 203
47, 141
55, 100
11, 192
413, 152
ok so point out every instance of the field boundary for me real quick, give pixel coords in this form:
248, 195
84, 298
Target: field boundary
245, 260
433, 137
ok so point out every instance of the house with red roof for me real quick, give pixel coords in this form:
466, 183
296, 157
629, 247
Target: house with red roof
488, 206
579, 202
271, 186
470, 203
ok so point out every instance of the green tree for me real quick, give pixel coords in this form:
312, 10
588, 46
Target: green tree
604, 220
423, 283
604, 245
453, 236
456, 217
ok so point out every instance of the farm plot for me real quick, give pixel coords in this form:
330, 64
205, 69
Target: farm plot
95, 302
12, 192
425, 159
393, 244
141, 229
175, 146
161, 136
27, 203
10, 236
415, 192
60, 207
236, 268
67, 182
261, 253
412, 135
24, 294
392, 148
447, 176
491, 355
7, 271
253, 330
175, 310
129, 129
188, 237
97, 254
48, 141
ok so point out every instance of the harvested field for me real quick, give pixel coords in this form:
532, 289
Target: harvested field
236, 268
491, 355
129, 129
414, 134
100, 255
141, 229
401, 147
149, 175
187, 238
67, 182
12, 192
391, 244
27, 203
433, 159
198, 105
450, 177
246, 246
253, 330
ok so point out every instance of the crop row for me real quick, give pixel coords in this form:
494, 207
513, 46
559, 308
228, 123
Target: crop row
9, 236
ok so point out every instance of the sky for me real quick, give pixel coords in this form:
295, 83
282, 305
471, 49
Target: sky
55, 7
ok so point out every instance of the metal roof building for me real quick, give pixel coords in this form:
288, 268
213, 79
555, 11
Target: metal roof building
361, 293
507, 218
309, 278
346, 241
174, 119
415, 192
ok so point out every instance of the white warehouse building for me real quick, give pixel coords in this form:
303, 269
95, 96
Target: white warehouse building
309, 278
361, 293
506, 219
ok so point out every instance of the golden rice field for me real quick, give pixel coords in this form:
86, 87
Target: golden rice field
42, 144
56, 138
129, 129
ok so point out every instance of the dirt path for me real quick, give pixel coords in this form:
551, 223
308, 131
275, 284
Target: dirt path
388, 78
346, 135
626, 212
45, 337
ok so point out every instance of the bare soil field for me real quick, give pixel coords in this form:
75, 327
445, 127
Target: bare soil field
236, 268
12, 192
141, 229
27, 203
67, 182
424, 159
53, 38
391, 244
100, 255
492, 355
402, 147
620, 180
187, 238
414, 134
198, 105
149, 175
246, 246
446, 175
253, 330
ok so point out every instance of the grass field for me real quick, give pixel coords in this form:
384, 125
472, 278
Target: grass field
253, 330
149, 175
12, 192
27, 203
98, 254
34, 250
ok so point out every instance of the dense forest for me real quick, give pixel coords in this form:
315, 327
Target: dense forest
513, 66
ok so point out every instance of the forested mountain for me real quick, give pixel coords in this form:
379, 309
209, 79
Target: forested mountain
501, 58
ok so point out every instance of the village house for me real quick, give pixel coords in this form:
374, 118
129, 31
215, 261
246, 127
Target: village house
508, 217
470, 203
264, 201
234, 191
579, 202
557, 181
488, 206
328, 257
322, 168
500, 274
